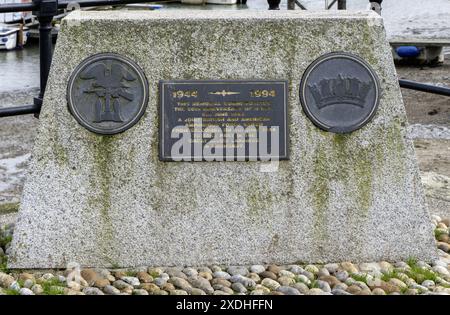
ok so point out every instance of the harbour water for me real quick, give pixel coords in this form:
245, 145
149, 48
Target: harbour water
19, 69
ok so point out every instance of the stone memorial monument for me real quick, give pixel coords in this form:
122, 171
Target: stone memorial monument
229, 137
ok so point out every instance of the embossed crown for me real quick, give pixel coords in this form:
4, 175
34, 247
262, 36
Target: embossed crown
340, 90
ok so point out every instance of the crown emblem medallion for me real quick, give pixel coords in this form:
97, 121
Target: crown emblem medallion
339, 92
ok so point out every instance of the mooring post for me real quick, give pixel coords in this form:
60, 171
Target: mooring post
274, 4
342, 4
291, 5
46, 10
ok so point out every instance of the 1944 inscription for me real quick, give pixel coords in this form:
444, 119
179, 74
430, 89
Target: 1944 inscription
223, 120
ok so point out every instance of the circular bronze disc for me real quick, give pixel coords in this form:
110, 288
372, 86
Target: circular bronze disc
339, 92
107, 93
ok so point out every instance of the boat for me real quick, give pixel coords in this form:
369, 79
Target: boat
15, 17
12, 36
209, 1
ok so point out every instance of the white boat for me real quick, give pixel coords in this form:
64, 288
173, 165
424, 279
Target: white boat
12, 36
209, 1
15, 17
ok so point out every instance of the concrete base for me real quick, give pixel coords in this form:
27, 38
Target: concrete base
109, 201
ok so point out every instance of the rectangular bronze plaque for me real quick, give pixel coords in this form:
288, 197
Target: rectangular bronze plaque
226, 120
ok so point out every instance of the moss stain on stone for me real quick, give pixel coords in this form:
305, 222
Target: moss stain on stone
9, 207
259, 197
101, 148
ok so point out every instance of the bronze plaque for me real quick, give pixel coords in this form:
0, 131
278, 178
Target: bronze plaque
223, 120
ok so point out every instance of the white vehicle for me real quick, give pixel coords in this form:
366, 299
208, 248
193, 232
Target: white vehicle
12, 36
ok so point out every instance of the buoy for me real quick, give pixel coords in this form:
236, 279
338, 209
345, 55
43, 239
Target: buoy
407, 51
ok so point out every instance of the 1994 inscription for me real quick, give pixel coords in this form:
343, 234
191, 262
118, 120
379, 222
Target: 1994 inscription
223, 120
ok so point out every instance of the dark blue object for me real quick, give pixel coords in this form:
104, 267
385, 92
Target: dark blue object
408, 51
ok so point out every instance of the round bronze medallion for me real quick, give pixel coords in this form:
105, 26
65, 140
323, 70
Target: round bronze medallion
339, 92
107, 93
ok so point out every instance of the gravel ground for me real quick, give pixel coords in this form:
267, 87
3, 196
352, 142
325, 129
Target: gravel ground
409, 277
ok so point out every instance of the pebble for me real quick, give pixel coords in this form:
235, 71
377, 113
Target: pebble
205, 275
428, 284
122, 285
6, 280
311, 268
223, 282
332, 268
239, 287
331, 280
160, 281
144, 277
178, 292
15, 286
301, 287
139, 292
315, 291
28, 283
304, 279
26, 276
324, 286
201, 283
248, 283
190, 272
216, 268
288, 290
342, 275
340, 292
308, 275
270, 283
25, 291
180, 283
222, 275
257, 269
47, 276
268, 274
285, 273
237, 270
353, 289
155, 272
223, 288
378, 291
74, 286
92, 291
296, 269
274, 268
441, 270
349, 267
132, 280
168, 287
218, 292
37, 289
255, 277
109, 289
258, 292
323, 272
286, 281
340, 286
205, 270
411, 292
197, 291
101, 282
398, 283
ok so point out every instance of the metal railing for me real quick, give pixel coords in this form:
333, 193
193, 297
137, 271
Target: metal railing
46, 10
